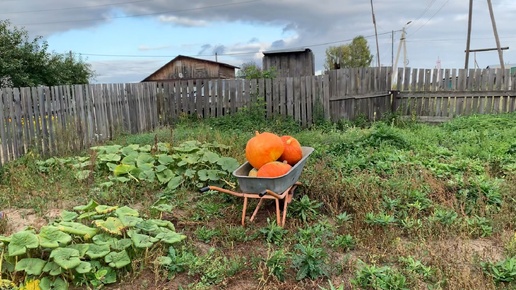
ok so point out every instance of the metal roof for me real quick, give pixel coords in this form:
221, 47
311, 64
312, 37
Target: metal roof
290, 50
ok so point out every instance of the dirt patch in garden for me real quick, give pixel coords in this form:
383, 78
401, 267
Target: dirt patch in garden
18, 219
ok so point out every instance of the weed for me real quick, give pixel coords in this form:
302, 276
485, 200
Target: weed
380, 219
305, 208
374, 277
415, 266
344, 217
479, 226
309, 261
205, 234
276, 263
273, 233
344, 242
332, 287
503, 271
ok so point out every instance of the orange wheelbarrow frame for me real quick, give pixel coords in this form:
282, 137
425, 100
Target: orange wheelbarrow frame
266, 194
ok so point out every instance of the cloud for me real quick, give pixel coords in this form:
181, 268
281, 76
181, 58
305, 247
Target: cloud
439, 28
183, 21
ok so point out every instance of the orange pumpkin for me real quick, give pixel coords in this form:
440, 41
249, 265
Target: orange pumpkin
273, 169
292, 152
263, 148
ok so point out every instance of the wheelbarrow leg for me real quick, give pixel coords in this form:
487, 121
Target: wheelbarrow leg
288, 199
278, 217
244, 211
256, 209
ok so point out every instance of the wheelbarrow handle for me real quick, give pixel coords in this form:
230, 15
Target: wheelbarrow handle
262, 194
204, 189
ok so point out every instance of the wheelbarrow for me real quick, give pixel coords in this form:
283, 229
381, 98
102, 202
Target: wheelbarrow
276, 188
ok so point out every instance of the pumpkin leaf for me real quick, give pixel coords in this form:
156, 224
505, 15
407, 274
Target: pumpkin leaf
122, 244
142, 241
111, 225
117, 259
83, 268
31, 266
82, 248
122, 169
97, 251
103, 209
110, 157
170, 237
146, 225
90, 206
165, 159
53, 269
228, 164
174, 182
77, 229
21, 241
145, 159
103, 239
130, 221
209, 174
165, 176
210, 157
68, 216
52, 237
58, 283
126, 211
67, 258
145, 148
130, 150
162, 207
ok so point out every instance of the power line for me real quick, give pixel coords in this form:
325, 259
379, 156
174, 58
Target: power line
224, 54
144, 14
72, 8
424, 11
433, 15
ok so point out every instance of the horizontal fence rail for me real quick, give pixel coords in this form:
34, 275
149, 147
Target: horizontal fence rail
56, 120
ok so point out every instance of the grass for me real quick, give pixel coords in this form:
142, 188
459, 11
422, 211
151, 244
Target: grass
385, 205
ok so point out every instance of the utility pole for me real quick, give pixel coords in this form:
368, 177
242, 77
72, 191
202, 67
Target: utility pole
404, 45
495, 32
468, 41
376, 34
392, 48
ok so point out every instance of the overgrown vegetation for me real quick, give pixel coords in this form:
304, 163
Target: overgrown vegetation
392, 204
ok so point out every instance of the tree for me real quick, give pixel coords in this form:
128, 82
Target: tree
27, 63
250, 70
354, 54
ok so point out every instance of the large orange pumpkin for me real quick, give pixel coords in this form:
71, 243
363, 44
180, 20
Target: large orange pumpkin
273, 169
263, 148
292, 152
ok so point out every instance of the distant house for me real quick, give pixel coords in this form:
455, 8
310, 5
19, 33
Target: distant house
290, 62
190, 68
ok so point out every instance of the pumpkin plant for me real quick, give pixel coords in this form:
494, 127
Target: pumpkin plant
190, 164
92, 245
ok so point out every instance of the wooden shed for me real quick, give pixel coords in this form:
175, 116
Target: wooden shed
290, 63
190, 68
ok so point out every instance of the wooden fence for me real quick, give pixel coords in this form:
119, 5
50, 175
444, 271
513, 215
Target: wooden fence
53, 120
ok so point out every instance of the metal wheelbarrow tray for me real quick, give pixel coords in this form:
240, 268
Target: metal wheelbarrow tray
277, 188
276, 184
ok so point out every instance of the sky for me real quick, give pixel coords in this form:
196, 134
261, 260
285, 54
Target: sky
127, 40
